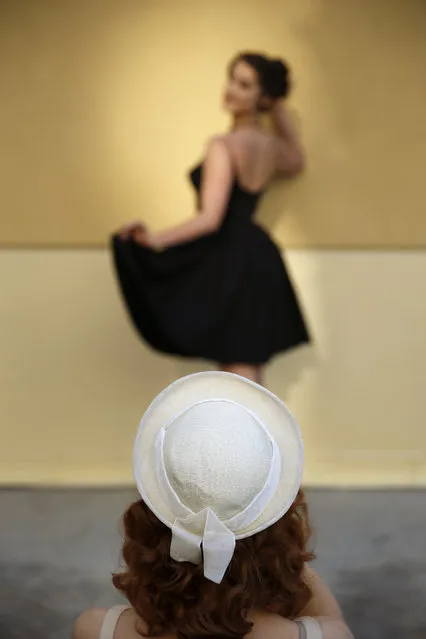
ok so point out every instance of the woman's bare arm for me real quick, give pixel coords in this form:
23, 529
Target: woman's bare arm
324, 608
290, 153
272, 626
323, 603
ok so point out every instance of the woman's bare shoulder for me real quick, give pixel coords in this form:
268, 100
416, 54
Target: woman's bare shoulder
88, 625
268, 625
129, 625
248, 144
249, 137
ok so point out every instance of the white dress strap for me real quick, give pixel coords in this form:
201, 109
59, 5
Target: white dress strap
110, 621
309, 628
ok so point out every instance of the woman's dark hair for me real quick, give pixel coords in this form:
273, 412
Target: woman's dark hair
274, 74
266, 572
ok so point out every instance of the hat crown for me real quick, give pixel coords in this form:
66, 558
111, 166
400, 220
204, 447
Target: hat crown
217, 455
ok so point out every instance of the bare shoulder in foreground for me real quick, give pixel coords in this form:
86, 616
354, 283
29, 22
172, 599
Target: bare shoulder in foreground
266, 626
323, 608
88, 624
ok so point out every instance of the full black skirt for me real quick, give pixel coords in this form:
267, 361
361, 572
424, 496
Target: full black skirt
226, 297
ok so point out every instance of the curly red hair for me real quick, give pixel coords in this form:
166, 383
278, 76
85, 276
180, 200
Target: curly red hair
266, 573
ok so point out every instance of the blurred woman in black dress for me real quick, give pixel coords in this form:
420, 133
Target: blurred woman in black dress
216, 287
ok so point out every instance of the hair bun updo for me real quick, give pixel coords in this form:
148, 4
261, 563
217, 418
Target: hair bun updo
277, 79
273, 73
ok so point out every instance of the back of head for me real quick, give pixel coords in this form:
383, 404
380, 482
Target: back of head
266, 573
273, 73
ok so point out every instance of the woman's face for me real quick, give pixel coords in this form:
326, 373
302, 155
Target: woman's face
243, 91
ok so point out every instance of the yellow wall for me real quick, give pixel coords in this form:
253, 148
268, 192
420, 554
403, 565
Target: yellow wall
105, 103
74, 378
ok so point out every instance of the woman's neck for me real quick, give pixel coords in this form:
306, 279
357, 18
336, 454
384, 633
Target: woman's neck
246, 120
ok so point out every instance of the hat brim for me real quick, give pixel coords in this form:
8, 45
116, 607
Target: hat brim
220, 385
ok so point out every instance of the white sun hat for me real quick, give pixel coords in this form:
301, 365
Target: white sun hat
217, 458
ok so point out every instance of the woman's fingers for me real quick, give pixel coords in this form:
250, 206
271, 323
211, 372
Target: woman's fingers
128, 231
141, 236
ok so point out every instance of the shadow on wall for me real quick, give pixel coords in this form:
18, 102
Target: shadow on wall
359, 102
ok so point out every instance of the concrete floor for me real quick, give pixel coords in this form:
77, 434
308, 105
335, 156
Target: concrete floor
58, 548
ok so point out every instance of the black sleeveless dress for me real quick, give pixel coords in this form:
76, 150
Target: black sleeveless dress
224, 297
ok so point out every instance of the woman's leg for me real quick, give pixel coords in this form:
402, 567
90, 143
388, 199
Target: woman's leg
251, 371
